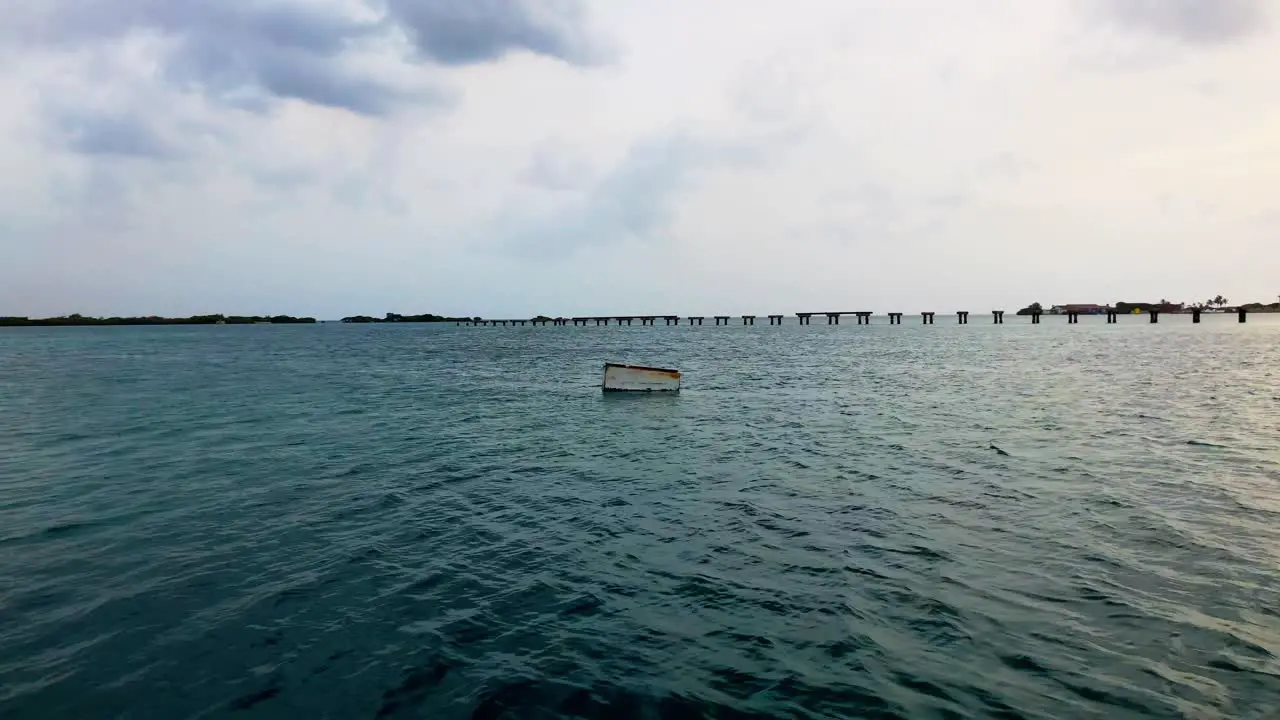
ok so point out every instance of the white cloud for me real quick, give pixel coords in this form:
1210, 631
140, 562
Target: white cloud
501, 157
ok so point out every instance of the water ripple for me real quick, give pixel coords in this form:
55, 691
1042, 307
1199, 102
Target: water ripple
385, 522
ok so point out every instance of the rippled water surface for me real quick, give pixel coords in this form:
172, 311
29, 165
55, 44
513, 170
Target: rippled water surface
1012, 521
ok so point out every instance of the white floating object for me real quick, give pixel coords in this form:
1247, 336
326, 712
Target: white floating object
638, 378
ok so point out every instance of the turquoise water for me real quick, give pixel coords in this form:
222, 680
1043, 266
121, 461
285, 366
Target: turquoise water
1010, 521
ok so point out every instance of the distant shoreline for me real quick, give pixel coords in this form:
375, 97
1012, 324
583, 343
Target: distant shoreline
77, 320
82, 321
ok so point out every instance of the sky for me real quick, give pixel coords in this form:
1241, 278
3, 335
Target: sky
507, 158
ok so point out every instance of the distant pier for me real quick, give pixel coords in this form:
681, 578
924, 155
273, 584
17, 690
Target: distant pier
864, 317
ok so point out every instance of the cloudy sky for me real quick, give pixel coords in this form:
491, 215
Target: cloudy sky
513, 157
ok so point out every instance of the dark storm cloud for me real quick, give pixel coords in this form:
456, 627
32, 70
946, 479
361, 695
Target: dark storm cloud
1193, 21
248, 52
250, 74
461, 32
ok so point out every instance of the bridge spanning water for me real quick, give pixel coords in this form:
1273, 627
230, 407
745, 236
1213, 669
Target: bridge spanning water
804, 318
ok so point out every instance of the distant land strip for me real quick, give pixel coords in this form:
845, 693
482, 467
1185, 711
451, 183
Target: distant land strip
218, 319
77, 320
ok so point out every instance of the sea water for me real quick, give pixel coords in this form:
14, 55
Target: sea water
1014, 521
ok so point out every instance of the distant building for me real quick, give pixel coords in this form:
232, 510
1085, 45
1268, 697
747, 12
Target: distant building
1085, 309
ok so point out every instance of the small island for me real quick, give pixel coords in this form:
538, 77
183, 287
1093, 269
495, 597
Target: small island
1215, 304
398, 318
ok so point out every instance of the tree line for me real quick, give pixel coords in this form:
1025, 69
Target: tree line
397, 317
77, 319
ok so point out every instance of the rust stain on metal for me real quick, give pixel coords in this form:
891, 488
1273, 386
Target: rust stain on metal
665, 371
624, 377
